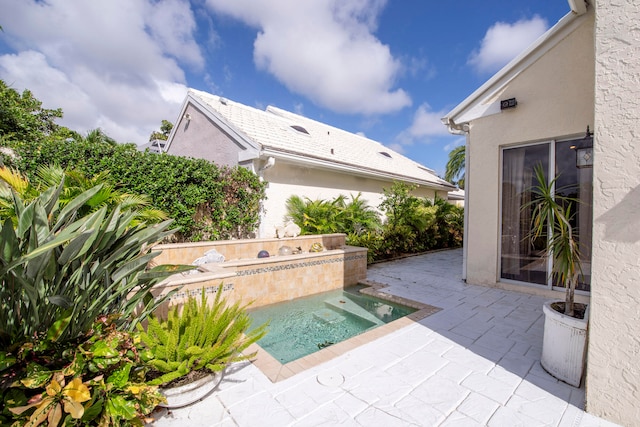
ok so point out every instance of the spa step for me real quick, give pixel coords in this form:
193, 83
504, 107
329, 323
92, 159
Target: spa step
328, 316
348, 306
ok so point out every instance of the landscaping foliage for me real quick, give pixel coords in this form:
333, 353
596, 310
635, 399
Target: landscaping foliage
73, 280
58, 265
99, 381
198, 337
336, 216
412, 224
208, 202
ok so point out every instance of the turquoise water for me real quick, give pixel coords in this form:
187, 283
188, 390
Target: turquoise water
303, 326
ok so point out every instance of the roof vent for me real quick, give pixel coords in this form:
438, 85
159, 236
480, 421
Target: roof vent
223, 101
300, 129
384, 153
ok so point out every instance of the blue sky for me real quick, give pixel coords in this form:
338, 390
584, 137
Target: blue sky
387, 69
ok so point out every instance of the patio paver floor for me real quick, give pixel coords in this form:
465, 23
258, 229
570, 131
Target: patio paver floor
473, 363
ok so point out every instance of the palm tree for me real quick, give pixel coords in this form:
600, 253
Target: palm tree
456, 166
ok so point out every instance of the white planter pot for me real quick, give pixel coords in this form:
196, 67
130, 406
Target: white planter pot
178, 397
564, 345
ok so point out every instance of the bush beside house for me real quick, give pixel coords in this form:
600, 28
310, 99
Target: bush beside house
412, 224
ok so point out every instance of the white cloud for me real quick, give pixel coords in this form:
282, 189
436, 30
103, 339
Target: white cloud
324, 50
110, 64
455, 143
504, 41
426, 127
427, 122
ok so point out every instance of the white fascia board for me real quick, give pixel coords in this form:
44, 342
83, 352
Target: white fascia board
375, 174
473, 106
177, 122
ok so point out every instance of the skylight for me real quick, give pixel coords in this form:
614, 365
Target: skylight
300, 129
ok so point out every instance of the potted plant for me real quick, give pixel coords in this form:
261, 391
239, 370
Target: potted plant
189, 350
565, 326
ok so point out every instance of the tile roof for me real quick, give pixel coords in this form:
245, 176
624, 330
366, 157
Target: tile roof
273, 130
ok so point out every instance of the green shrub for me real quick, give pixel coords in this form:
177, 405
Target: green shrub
206, 201
60, 270
412, 224
197, 337
336, 216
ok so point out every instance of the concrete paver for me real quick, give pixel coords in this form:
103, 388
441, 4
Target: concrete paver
474, 363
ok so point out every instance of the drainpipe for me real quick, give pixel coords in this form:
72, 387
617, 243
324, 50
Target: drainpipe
463, 129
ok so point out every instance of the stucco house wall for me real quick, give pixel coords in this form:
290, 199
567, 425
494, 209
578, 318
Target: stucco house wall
613, 364
554, 102
199, 142
285, 179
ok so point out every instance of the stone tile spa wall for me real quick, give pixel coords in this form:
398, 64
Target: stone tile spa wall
265, 280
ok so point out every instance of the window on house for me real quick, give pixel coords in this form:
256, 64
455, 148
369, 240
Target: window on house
521, 259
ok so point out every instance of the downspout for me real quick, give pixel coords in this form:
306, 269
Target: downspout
463, 129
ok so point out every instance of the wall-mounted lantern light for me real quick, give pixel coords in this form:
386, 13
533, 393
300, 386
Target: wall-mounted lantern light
508, 103
584, 153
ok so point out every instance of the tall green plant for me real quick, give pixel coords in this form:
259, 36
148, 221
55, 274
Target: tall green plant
339, 215
404, 209
197, 337
551, 220
60, 270
456, 166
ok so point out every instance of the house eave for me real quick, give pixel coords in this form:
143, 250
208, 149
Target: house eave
483, 101
309, 161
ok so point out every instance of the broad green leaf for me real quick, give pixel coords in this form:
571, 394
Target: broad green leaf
70, 209
121, 408
8, 244
58, 327
75, 246
120, 377
102, 349
25, 221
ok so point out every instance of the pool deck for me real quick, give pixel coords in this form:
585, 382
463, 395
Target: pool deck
475, 362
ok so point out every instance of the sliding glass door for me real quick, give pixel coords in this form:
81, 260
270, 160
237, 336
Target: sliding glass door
521, 258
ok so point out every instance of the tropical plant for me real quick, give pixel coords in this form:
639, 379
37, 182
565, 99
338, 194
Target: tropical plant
449, 223
456, 166
334, 216
60, 270
75, 182
197, 338
551, 221
406, 210
99, 381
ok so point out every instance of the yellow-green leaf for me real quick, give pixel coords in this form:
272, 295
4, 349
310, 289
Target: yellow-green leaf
76, 391
75, 409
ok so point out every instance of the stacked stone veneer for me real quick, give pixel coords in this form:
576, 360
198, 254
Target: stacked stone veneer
265, 280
